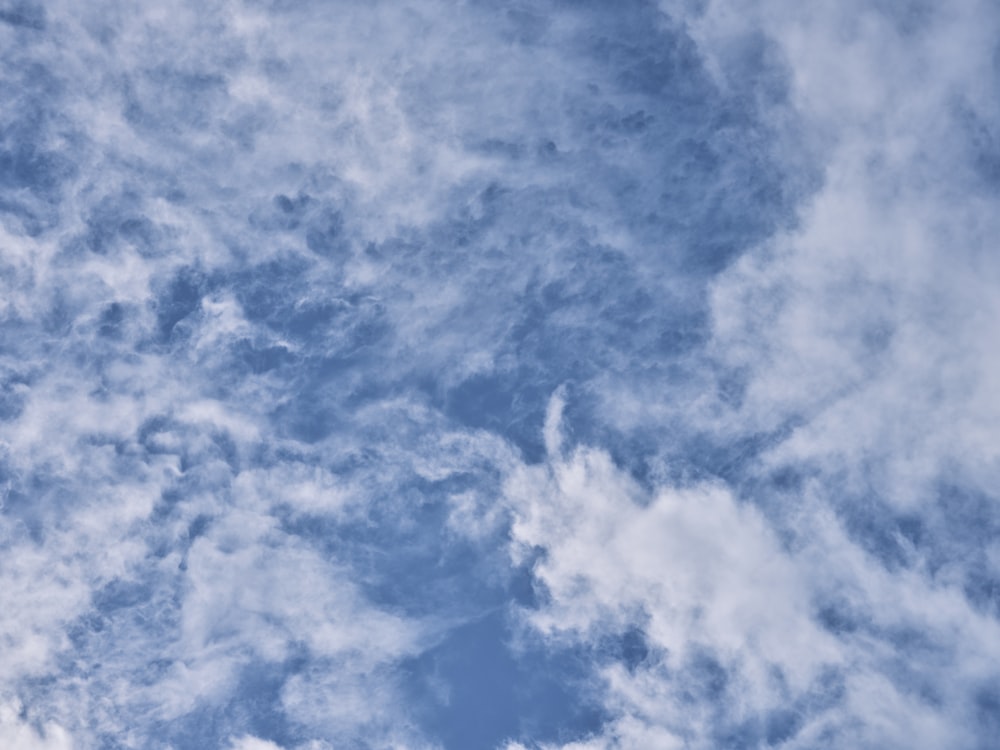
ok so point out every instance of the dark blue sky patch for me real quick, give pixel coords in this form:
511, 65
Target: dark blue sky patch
14, 390
111, 319
841, 617
28, 162
981, 144
326, 321
881, 533
180, 299
756, 67
284, 214
473, 691
23, 14
524, 588
25, 166
266, 290
261, 359
28, 218
118, 225
781, 726
325, 234
986, 702
419, 567
256, 703
120, 593
630, 647
508, 403
951, 529
634, 648
206, 726
734, 459
704, 678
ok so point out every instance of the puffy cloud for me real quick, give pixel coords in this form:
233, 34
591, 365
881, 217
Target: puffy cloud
252, 743
718, 628
16, 732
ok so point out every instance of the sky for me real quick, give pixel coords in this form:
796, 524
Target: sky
467, 375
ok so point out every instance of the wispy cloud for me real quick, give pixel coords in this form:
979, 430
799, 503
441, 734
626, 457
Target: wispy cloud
430, 375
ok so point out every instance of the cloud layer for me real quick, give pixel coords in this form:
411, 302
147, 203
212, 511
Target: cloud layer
483, 375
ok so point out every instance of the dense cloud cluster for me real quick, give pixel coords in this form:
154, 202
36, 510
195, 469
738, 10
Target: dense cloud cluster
552, 375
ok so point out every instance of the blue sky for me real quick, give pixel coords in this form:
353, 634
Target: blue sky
499, 375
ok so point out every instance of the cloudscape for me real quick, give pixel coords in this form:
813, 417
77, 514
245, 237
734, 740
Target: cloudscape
499, 375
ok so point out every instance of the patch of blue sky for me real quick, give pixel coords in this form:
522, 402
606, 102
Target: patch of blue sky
498, 375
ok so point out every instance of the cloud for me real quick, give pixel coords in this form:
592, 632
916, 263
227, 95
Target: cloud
15, 732
724, 629
854, 363
355, 354
252, 743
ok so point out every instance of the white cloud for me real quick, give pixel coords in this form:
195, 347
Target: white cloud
15, 732
700, 572
472, 171
253, 743
872, 318
690, 565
